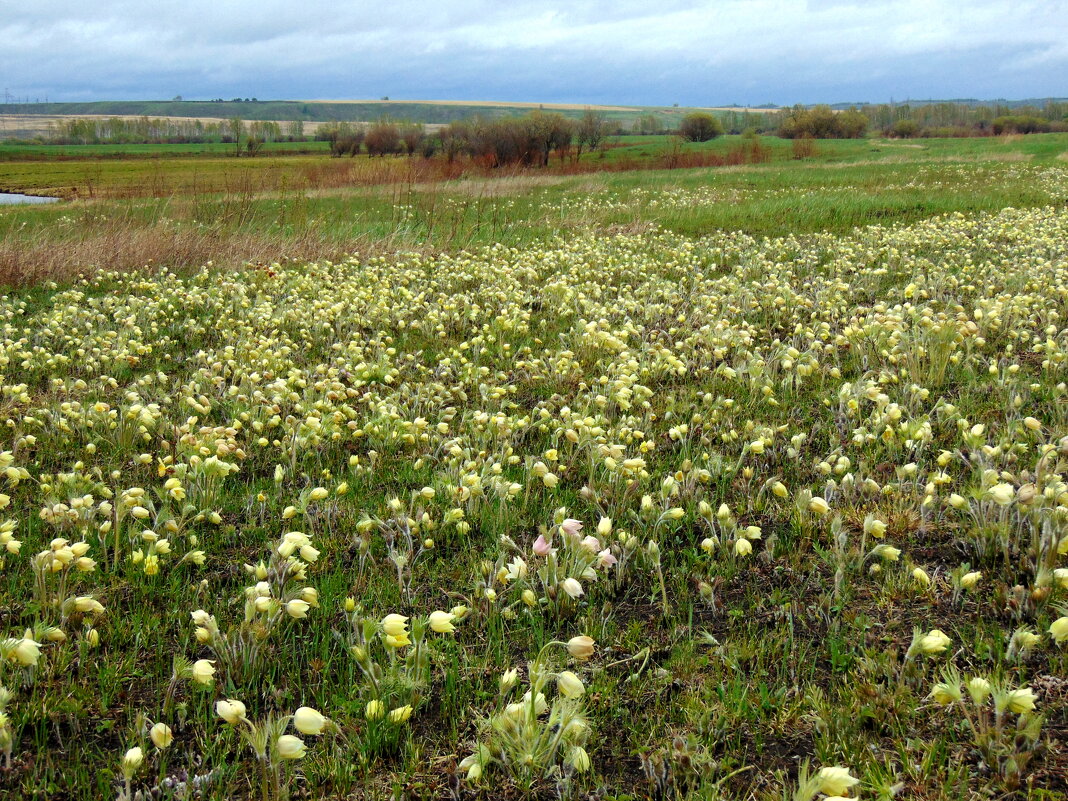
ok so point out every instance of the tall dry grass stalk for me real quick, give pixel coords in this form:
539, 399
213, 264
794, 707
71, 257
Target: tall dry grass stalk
126, 245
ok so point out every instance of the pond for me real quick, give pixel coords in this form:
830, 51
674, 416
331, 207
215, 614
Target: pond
13, 198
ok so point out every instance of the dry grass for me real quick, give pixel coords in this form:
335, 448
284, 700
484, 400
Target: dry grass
1013, 156
503, 187
125, 244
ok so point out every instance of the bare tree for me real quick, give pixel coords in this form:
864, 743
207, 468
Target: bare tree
411, 137
237, 127
383, 138
591, 130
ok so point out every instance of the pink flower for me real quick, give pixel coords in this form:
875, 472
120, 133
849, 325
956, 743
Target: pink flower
571, 527
606, 558
542, 547
591, 544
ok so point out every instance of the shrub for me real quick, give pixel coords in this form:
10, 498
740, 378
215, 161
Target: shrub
700, 126
905, 129
1019, 123
383, 138
526, 140
411, 138
348, 145
821, 122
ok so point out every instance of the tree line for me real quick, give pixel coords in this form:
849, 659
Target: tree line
534, 138
155, 130
530, 140
947, 119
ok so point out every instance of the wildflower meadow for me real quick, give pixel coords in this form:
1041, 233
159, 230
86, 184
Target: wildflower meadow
617, 514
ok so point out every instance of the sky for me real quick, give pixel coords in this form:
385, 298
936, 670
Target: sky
623, 52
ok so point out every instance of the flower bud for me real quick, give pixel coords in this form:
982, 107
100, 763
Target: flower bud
400, 714
374, 710
572, 587
203, 671
297, 608
290, 746
946, 693
570, 685
441, 622
581, 647
161, 735
835, 780
508, 680
131, 761
309, 721
978, 689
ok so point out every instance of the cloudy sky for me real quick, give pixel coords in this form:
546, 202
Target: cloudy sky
619, 51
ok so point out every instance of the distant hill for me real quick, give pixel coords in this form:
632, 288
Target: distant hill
971, 102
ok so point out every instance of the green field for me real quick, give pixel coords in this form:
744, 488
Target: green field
23, 152
64, 170
341, 479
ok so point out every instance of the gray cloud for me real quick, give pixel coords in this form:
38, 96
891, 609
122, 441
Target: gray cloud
720, 51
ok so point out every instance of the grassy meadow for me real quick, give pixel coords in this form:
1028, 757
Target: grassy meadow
625, 479
183, 210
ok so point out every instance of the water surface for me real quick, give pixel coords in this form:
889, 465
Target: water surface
13, 198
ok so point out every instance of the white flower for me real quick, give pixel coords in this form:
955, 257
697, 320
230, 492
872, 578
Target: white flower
1002, 494
161, 735
230, 710
570, 685
131, 761
297, 608
819, 506
572, 587
836, 780
517, 569
308, 721
290, 746
203, 671
441, 622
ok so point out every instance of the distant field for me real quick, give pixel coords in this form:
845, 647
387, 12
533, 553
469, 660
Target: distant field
10, 152
547, 106
482, 104
87, 171
29, 126
431, 112
190, 208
